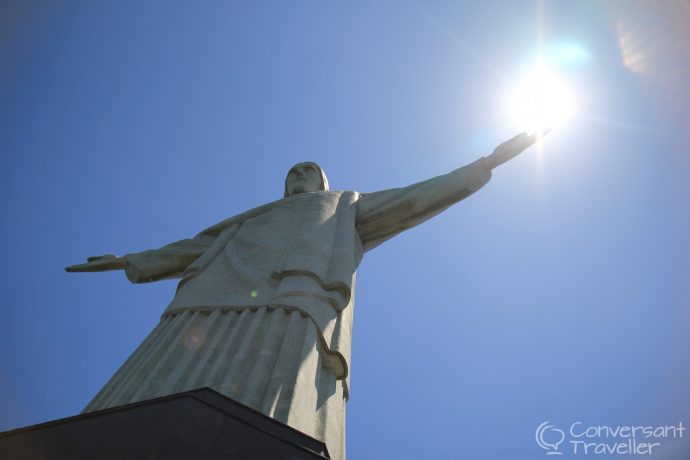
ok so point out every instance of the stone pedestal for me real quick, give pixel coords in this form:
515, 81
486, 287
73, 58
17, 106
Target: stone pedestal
198, 424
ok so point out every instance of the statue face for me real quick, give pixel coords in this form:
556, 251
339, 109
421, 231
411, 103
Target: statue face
302, 178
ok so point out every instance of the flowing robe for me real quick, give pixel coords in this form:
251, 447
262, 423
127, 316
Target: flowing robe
263, 311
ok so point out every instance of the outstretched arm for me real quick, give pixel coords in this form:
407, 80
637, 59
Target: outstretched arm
173, 260
167, 262
382, 215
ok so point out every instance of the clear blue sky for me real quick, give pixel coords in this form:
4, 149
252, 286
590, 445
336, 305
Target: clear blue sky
558, 292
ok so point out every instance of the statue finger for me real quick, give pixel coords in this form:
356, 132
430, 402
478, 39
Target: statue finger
104, 256
77, 268
99, 264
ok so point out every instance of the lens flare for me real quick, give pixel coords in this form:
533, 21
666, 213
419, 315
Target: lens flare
541, 101
195, 338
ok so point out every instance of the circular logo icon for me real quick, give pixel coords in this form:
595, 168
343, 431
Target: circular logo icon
549, 438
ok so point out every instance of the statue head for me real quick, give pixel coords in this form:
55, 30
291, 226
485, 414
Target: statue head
305, 177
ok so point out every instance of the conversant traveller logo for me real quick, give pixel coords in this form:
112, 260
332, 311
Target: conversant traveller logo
604, 439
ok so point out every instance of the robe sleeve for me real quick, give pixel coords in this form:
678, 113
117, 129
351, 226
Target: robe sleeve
176, 259
170, 261
382, 215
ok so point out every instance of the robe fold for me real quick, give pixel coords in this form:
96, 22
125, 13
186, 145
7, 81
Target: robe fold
263, 311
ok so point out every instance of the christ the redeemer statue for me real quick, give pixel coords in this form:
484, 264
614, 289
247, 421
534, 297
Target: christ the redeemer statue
263, 311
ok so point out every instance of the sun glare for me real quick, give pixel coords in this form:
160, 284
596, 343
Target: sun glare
540, 102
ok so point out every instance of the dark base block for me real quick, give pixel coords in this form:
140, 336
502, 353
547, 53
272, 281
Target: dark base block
198, 424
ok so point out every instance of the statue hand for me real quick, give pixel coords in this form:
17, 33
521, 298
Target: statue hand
100, 264
513, 147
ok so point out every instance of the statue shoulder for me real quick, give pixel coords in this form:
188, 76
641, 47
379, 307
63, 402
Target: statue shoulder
217, 229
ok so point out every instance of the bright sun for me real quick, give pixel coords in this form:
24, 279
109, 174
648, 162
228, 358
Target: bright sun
540, 102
